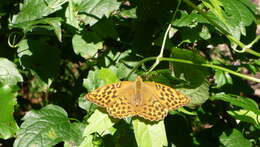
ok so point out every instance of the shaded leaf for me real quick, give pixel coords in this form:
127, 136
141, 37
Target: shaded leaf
46, 23
40, 57
193, 74
240, 101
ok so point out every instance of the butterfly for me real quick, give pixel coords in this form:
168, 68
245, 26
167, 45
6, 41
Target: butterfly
149, 100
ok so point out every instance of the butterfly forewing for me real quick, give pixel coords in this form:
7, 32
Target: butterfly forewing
115, 98
167, 96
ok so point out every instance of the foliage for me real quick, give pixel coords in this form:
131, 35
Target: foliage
55, 51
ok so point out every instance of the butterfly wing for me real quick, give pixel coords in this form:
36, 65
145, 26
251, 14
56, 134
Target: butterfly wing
153, 111
151, 108
115, 98
167, 96
121, 108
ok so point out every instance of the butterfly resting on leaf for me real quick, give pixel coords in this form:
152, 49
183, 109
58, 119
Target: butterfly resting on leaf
149, 100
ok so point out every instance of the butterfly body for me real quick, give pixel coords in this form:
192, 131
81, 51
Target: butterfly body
149, 100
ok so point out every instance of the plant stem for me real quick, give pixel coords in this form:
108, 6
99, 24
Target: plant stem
248, 50
202, 64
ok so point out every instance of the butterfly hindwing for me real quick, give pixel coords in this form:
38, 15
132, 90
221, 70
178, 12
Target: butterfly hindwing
151, 108
153, 111
121, 108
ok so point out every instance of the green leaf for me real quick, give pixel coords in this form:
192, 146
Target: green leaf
71, 15
238, 13
205, 34
188, 20
240, 101
9, 75
233, 18
93, 10
99, 78
246, 116
198, 95
45, 127
32, 10
222, 78
86, 105
77, 130
8, 126
149, 134
92, 82
194, 75
98, 122
87, 44
107, 75
129, 13
234, 138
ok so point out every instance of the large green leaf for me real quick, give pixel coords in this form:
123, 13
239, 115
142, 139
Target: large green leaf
234, 138
149, 134
8, 126
46, 127
9, 76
